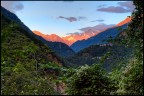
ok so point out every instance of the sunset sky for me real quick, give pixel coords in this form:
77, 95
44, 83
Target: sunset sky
68, 17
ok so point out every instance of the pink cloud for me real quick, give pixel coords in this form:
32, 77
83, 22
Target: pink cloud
127, 4
72, 19
123, 7
99, 20
114, 9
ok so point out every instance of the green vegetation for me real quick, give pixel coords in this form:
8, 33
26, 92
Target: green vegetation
94, 53
28, 67
89, 81
22, 58
126, 78
131, 79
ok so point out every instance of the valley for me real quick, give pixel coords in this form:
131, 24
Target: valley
100, 60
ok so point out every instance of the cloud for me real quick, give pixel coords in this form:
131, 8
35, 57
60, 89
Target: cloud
124, 7
114, 9
12, 6
75, 33
128, 5
92, 30
72, 19
99, 20
18, 7
99, 27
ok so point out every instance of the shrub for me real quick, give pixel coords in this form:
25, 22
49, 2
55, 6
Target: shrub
89, 80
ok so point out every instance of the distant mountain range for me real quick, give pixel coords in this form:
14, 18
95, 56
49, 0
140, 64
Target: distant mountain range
76, 37
70, 39
59, 48
102, 37
98, 39
52, 37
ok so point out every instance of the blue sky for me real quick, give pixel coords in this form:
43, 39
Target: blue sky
61, 17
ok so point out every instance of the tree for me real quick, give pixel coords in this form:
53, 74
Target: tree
135, 29
89, 80
131, 81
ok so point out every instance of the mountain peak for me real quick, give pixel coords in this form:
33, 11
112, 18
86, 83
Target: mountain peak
127, 20
54, 35
37, 32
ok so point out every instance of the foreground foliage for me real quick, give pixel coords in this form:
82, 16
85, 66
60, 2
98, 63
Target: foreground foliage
22, 58
90, 81
125, 79
132, 76
27, 70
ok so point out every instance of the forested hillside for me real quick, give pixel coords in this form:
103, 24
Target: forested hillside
59, 48
30, 67
123, 80
94, 54
24, 61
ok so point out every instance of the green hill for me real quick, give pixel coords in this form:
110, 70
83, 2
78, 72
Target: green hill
28, 67
94, 53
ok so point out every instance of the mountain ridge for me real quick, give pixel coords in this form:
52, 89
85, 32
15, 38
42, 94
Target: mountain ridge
98, 39
14, 18
74, 37
127, 20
